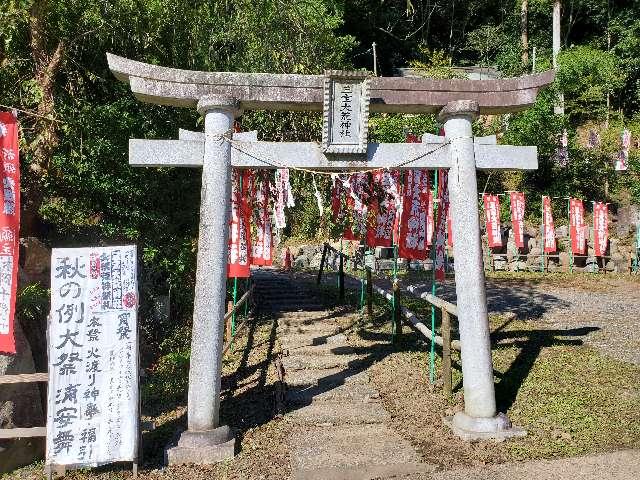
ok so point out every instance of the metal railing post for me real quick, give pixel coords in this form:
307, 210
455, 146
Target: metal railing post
397, 316
341, 277
445, 328
324, 256
369, 294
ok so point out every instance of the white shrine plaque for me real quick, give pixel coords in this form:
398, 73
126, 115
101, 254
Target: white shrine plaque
93, 356
345, 122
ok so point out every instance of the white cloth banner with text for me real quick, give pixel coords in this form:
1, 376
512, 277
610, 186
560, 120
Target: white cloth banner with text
93, 413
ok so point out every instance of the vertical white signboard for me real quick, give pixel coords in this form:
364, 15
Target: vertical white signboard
93, 362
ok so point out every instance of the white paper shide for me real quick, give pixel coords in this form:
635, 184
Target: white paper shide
93, 363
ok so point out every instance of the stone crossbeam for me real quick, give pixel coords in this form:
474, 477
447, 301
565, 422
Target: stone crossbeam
190, 153
268, 91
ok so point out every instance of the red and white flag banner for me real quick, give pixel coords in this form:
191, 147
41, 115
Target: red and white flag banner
492, 219
383, 211
414, 224
238, 264
262, 248
357, 204
441, 224
622, 162
600, 228
9, 229
576, 224
517, 205
548, 230
284, 197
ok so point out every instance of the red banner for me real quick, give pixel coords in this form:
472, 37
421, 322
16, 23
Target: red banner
548, 231
441, 224
239, 225
576, 221
414, 224
600, 228
262, 248
517, 205
9, 229
383, 211
492, 220
356, 190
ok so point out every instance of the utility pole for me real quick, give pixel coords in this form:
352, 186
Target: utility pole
524, 32
606, 124
375, 59
557, 15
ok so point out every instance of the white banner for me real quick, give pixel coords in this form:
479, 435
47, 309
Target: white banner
93, 356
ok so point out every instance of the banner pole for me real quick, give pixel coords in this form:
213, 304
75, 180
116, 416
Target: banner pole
233, 315
246, 304
434, 283
340, 260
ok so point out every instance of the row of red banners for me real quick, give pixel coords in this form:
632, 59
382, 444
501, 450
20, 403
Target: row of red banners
578, 229
9, 228
382, 216
250, 193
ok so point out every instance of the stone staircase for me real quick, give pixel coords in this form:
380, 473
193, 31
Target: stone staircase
339, 427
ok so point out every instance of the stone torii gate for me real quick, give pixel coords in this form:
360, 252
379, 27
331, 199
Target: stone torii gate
219, 97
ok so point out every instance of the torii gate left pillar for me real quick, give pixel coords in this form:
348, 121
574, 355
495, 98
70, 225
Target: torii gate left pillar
205, 441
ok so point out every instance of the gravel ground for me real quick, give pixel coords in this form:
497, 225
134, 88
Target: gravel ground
608, 305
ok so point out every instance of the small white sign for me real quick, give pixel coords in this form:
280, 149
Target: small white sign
93, 413
346, 112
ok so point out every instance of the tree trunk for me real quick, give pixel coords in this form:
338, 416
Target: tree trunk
46, 65
524, 31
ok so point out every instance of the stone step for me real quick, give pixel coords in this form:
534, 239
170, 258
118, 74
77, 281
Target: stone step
326, 378
317, 328
322, 334
292, 307
349, 392
368, 472
304, 319
352, 452
339, 413
323, 362
324, 349
301, 303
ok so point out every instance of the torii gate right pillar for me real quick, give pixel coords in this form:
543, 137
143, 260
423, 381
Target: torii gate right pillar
479, 419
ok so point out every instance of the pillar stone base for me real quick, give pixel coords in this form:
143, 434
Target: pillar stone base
472, 429
202, 448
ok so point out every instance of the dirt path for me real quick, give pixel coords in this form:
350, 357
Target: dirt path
623, 465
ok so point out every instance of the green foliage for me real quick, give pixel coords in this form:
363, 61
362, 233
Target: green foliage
434, 64
392, 128
32, 303
168, 381
586, 75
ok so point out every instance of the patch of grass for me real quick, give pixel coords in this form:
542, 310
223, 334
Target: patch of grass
571, 398
576, 401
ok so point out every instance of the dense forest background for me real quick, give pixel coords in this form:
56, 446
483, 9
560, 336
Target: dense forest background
76, 119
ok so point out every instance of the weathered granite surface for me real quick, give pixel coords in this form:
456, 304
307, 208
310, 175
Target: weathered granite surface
183, 88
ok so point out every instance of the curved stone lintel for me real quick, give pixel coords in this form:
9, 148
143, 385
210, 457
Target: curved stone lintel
269, 91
